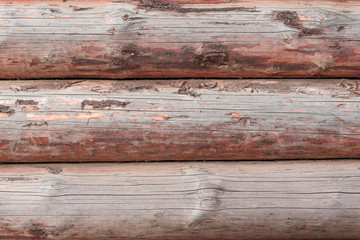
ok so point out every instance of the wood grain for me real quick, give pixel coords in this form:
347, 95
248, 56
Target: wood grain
304, 200
67, 121
177, 39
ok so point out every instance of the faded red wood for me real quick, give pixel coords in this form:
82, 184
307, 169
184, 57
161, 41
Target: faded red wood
300, 200
69, 121
197, 38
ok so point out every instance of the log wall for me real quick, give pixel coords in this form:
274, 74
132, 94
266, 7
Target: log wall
304, 200
177, 39
68, 121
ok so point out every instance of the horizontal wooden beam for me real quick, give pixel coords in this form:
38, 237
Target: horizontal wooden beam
161, 38
44, 121
235, 200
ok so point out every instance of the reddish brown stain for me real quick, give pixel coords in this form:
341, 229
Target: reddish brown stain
35, 62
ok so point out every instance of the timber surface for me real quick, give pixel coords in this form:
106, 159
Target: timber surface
160, 39
68, 121
303, 200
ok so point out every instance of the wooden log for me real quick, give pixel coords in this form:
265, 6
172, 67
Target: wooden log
44, 121
217, 200
177, 39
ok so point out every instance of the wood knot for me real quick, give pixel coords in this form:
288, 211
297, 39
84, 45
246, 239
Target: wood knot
210, 202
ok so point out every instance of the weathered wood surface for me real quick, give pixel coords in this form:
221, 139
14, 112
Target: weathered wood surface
198, 38
233, 200
44, 121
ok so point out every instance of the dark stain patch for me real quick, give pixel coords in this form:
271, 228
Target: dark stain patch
60, 230
34, 62
294, 66
131, 50
210, 55
176, 7
340, 28
185, 89
251, 61
26, 102
311, 31
131, 57
228, 23
264, 142
15, 179
213, 58
341, 52
217, 54
6, 109
187, 57
181, 116
217, 23
103, 104
85, 62
230, 9
213, 54
37, 230
292, 20
54, 10
37, 124
164, 117
78, 9
54, 169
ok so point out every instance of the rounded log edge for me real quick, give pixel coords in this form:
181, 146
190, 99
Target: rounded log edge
154, 120
259, 200
179, 39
